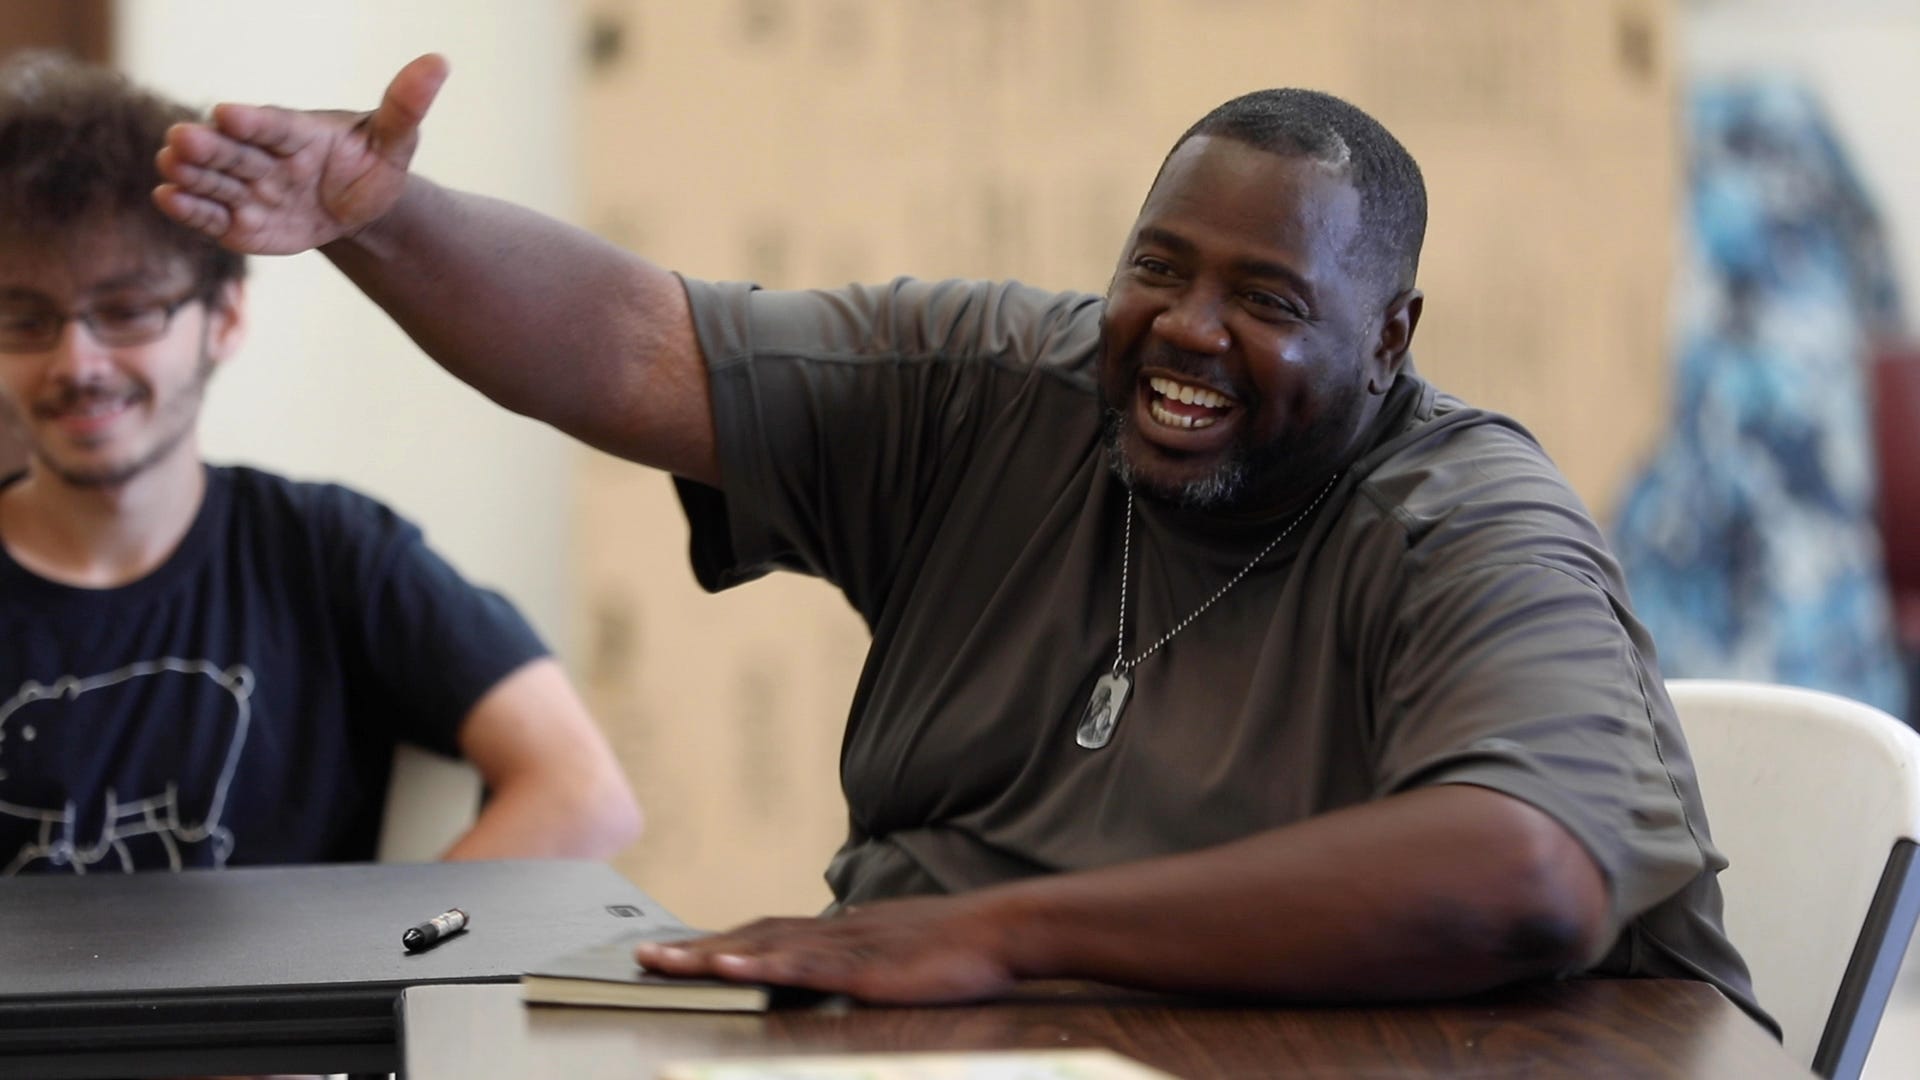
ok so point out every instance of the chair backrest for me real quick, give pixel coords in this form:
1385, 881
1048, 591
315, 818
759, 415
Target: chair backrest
1815, 801
431, 800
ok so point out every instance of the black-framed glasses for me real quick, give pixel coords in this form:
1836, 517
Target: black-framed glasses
31, 324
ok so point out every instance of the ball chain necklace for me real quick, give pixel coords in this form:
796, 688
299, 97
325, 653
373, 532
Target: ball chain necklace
1110, 690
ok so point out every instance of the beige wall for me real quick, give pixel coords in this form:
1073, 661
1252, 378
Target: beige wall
817, 141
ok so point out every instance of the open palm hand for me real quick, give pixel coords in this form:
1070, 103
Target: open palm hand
271, 181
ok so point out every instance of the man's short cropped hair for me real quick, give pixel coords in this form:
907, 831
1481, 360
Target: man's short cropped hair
77, 143
1323, 128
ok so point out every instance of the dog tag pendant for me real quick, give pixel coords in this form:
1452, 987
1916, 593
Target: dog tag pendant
1103, 709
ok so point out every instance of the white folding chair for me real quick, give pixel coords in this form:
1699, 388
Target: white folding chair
1815, 800
431, 800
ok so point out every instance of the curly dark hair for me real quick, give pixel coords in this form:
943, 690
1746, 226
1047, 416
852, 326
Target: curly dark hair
1323, 128
76, 151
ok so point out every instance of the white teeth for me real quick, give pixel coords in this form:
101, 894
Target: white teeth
1187, 393
1174, 419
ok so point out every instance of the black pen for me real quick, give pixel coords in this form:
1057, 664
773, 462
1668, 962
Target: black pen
434, 930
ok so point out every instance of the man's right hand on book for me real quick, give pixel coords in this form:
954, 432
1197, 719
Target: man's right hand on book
924, 950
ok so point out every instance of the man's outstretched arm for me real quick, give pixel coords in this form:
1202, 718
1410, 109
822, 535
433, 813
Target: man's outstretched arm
554, 786
543, 318
1433, 893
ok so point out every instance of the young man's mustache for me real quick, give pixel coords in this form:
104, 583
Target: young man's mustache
73, 397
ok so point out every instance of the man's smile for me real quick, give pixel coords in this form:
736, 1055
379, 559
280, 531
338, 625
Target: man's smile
86, 415
1184, 416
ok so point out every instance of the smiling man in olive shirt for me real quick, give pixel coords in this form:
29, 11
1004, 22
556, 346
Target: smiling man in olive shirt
1214, 649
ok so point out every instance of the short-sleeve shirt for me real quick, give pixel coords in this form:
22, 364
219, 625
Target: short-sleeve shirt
241, 703
1449, 613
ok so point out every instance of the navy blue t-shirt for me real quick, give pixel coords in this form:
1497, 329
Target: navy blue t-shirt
241, 703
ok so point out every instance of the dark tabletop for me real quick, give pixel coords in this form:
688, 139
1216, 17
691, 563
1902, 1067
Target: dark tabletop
1639, 1028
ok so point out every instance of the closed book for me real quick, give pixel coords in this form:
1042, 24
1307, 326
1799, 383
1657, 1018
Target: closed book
968, 1065
607, 974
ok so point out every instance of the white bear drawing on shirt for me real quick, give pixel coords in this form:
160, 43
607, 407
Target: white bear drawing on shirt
155, 810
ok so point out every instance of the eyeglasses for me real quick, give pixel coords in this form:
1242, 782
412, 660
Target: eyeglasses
30, 325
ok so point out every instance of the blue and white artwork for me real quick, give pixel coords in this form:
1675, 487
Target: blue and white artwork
1749, 542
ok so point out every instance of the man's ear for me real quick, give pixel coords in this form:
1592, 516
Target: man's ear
1397, 324
226, 320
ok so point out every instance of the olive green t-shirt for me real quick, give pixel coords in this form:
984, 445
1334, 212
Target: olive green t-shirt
1448, 614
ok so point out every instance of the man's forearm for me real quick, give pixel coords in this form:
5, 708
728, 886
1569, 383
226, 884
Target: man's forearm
1438, 892
542, 317
554, 785
533, 820
1434, 893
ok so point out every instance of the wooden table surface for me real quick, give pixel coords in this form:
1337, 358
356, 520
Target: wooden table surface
1638, 1028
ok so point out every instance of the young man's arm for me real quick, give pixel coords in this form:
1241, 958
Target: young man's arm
554, 786
1432, 893
545, 319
